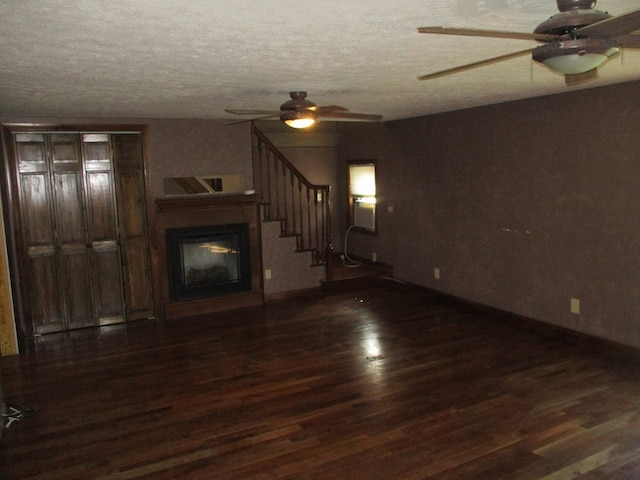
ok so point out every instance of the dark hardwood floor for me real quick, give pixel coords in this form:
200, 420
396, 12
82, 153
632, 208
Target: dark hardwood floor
375, 383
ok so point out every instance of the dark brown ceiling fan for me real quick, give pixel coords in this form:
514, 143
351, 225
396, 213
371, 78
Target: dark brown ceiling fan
576, 41
302, 113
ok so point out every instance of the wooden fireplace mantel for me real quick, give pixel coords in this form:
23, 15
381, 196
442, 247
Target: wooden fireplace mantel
181, 202
180, 211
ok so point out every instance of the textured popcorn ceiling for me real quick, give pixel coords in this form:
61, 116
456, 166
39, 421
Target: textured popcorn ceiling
193, 58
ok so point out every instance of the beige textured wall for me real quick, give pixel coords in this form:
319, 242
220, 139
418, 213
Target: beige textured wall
182, 148
522, 206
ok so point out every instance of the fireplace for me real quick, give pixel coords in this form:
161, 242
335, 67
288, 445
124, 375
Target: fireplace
209, 260
209, 254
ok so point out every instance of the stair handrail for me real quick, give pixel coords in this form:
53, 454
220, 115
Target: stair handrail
304, 214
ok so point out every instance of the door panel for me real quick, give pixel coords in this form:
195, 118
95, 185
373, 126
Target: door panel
103, 229
75, 261
130, 187
68, 188
138, 280
102, 215
45, 305
131, 196
69, 208
31, 152
75, 271
96, 151
45, 302
35, 209
108, 282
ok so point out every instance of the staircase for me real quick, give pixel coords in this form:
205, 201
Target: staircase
287, 197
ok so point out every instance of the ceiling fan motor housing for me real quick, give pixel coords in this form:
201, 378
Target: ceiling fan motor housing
566, 22
298, 112
298, 102
566, 5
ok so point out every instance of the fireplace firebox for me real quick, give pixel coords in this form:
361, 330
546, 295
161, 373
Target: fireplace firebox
206, 261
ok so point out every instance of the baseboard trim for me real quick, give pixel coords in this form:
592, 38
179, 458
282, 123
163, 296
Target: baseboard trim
593, 342
291, 294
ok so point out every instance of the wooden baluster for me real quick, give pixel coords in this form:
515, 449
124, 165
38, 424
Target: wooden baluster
266, 185
303, 233
326, 225
294, 225
315, 217
256, 151
275, 182
310, 243
285, 215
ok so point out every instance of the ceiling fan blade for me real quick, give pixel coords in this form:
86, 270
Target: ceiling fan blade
481, 63
252, 112
298, 103
240, 121
629, 41
328, 109
473, 32
264, 117
612, 27
578, 78
349, 116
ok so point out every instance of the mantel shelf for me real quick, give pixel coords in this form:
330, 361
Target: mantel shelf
174, 202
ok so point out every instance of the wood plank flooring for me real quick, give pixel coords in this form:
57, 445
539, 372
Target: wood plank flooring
375, 383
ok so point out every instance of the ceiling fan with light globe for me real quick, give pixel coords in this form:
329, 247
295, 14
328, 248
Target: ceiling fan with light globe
576, 41
298, 112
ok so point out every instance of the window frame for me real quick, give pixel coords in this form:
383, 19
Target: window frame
352, 199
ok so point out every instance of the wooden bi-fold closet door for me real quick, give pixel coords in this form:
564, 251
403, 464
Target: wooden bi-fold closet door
84, 253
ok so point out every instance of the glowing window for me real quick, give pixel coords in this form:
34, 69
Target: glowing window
362, 195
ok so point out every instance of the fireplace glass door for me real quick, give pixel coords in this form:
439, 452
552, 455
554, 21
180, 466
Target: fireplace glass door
208, 261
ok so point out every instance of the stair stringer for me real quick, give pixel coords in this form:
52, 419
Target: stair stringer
290, 270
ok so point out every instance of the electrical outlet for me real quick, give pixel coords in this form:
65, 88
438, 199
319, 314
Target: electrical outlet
575, 306
436, 273
267, 274
374, 257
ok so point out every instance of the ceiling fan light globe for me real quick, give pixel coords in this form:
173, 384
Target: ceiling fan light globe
300, 123
298, 118
573, 57
576, 63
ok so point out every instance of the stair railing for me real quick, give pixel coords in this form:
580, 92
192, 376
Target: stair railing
286, 196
